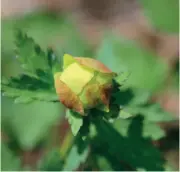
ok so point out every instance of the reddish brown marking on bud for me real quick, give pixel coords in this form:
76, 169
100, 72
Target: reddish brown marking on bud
105, 94
68, 98
93, 64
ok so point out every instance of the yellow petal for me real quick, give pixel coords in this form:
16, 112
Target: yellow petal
76, 77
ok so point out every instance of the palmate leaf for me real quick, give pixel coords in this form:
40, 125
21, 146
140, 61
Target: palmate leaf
133, 102
27, 96
26, 82
151, 112
29, 123
150, 129
133, 150
155, 113
30, 55
34, 61
38, 25
26, 89
37, 82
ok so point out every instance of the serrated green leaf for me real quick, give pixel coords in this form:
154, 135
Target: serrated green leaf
26, 89
30, 83
132, 149
133, 110
123, 114
153, 131
150, 129
30, 123
131, 97
75, 121
38, 24
30, 54
163, 14
54, 62
75, 158
35, 62
106, 161
155, 113
9, 161
122, 77
24, 96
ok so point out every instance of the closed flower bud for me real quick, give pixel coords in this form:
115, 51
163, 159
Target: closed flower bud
84, 84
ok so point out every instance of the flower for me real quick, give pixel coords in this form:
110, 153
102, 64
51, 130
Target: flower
84, 84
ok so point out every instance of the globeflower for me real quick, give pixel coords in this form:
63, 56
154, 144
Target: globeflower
84, 83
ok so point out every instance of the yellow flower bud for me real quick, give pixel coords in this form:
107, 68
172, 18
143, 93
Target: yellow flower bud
84, 84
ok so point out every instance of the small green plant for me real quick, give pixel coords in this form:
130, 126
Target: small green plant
112, 122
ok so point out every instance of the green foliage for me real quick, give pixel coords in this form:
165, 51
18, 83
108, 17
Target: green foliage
75, 158
24, 89
149, 130
30, 55
163, 14
48, 30
133, 102
35, 87
124, 143
75, 120
155, 113
124, 114
133, 150
122, 77
37, 75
